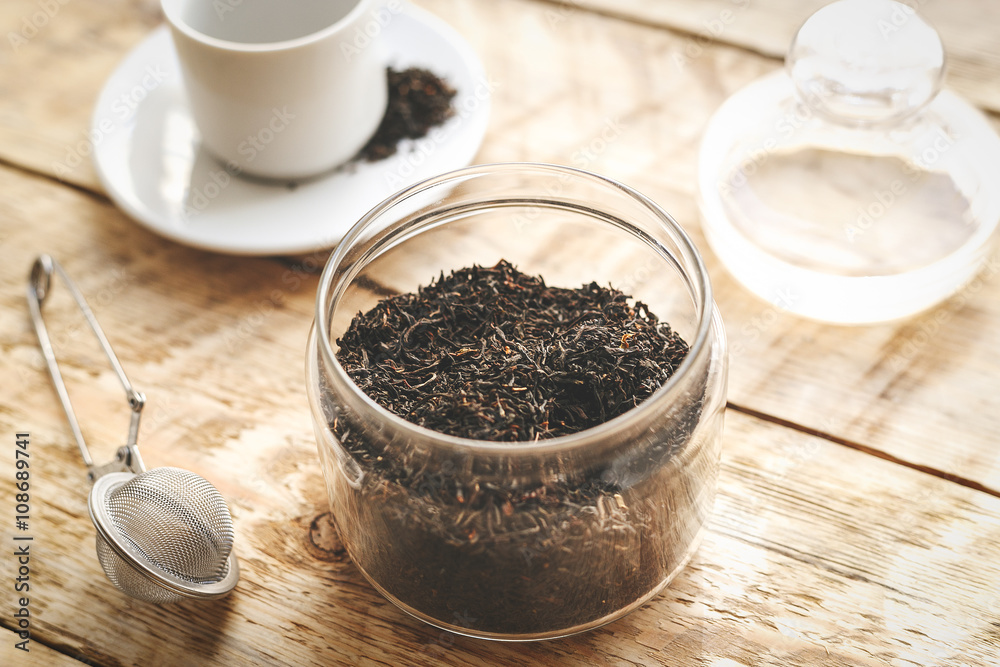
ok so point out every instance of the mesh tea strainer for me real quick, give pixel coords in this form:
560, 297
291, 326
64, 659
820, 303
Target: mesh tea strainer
162, 535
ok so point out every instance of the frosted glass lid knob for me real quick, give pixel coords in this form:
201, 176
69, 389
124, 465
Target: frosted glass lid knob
866, 61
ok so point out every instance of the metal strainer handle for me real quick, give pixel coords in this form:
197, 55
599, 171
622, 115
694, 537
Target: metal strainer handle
162, 535
127, 458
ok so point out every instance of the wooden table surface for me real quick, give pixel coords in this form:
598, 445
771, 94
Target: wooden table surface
858, 516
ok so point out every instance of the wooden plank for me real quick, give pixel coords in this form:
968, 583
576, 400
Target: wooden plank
37, 654
902, 388
53, 63
817, 554
632, 115
967, 29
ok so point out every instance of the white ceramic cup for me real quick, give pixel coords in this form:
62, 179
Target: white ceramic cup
281, 88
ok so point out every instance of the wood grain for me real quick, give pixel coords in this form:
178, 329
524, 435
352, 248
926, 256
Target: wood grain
817, 553
820, 553
966, 27
54, 63
902, 388
37, 654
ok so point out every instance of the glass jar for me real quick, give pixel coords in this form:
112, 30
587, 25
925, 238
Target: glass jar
523, 540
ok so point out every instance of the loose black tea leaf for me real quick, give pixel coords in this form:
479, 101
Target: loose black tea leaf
494, 354
418, 101
496, 543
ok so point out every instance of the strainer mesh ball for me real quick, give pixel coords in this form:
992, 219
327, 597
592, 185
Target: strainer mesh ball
177, 521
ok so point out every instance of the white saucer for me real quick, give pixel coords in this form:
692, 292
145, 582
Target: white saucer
149, 158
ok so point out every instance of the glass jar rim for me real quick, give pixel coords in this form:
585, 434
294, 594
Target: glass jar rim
699, 282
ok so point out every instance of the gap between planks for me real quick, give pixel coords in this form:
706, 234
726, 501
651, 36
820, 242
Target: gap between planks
655, 25
864, 449
97, 195
626, 17
53, 654
383, 291
102, 197
380, 290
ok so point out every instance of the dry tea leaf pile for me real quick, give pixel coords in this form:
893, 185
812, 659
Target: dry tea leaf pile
494, 354
418, 101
